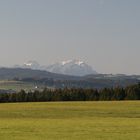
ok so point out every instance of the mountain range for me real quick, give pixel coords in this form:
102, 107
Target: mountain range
70, 67
72, 73
60, 81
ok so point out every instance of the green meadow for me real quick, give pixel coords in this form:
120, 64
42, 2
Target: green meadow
18, 85
70, 121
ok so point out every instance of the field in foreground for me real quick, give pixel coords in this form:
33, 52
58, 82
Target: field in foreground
70, 121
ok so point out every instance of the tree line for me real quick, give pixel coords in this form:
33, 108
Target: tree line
74, 94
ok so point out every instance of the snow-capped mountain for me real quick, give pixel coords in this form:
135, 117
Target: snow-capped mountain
32, 65
71, 67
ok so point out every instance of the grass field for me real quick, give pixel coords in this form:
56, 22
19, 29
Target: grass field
70, 121
18, 85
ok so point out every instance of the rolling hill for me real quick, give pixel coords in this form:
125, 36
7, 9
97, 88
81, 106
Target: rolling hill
61, 81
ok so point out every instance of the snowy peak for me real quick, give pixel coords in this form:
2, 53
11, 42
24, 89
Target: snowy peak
71, 67
66, 62
77, 62
31, 65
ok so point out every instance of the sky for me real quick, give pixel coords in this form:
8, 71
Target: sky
103, 33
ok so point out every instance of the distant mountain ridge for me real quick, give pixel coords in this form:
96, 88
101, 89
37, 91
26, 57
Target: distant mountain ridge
21, 73
30, 65
70, 67
61, 81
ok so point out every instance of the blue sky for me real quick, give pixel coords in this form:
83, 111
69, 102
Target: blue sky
103, 33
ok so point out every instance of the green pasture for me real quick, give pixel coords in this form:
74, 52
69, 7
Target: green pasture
70, 121
18, 85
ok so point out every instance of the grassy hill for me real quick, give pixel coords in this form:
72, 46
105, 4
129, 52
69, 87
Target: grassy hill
70, 121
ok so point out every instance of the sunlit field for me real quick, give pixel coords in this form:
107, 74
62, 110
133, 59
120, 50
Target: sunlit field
17, 85
70, 121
